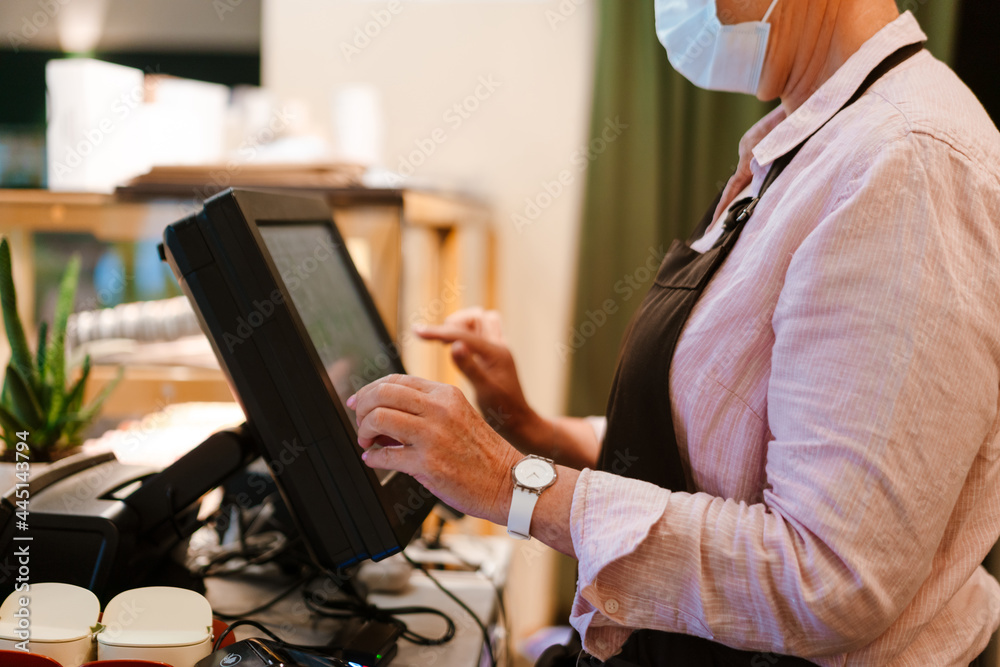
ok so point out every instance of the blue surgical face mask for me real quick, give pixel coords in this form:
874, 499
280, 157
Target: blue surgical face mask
711, 55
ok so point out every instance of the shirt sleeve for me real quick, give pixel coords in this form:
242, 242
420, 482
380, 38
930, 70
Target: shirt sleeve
883, 387
599, 425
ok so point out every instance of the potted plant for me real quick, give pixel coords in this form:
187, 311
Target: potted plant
36, 397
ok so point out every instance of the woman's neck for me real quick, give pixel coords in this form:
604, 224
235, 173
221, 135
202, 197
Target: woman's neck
842, 31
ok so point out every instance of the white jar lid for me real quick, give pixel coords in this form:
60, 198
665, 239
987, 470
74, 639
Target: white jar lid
56, 613
154, 639
158, 616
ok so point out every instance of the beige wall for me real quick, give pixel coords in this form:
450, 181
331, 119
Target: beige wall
430, 56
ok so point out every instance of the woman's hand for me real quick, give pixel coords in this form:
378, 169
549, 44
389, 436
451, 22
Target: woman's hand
430, 431
481, 353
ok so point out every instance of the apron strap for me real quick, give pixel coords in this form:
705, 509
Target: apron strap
782, 162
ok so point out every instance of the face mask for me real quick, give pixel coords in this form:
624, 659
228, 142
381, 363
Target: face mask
708, 54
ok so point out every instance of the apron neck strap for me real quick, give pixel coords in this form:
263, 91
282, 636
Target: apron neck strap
887, 65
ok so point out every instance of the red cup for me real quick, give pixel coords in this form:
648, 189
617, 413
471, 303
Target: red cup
125, 663
22, 659
218, 627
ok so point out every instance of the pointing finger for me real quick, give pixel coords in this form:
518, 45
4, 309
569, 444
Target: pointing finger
475, 342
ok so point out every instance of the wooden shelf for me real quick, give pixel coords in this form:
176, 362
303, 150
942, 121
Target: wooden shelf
146, 389
427, 255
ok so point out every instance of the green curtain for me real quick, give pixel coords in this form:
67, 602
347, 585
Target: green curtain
651, 182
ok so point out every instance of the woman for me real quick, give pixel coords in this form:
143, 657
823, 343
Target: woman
800, 456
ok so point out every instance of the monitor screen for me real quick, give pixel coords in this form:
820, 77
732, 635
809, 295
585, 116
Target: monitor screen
293, 362
331, 308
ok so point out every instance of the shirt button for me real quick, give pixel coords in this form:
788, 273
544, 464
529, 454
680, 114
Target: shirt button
611, 606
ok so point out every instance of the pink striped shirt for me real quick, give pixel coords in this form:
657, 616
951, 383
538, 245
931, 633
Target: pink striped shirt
835, 395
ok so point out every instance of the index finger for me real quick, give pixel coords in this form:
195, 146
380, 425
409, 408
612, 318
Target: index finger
486, 323
446, 334
467, 318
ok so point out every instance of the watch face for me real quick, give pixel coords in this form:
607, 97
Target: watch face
534, 473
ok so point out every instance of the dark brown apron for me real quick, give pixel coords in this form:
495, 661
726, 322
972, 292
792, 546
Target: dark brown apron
641, 442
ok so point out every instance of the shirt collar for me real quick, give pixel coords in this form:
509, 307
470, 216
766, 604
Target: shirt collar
838, 89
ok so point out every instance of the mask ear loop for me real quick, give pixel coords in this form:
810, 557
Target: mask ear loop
769, 10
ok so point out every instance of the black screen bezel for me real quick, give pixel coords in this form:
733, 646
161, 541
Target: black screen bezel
233, 271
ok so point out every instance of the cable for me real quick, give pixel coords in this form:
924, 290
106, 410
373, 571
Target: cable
267, 605
358, 608
258, 549
503, 617
325, 650
434, 542
343, 609
482, 626
236, 624
260, 540
478, 569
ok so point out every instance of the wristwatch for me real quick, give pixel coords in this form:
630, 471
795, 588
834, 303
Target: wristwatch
531, 475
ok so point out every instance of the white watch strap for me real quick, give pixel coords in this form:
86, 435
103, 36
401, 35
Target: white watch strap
522, 506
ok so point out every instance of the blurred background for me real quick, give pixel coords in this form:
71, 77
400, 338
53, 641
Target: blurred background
525, 155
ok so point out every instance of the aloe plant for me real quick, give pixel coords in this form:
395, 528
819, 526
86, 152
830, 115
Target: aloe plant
35, 396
